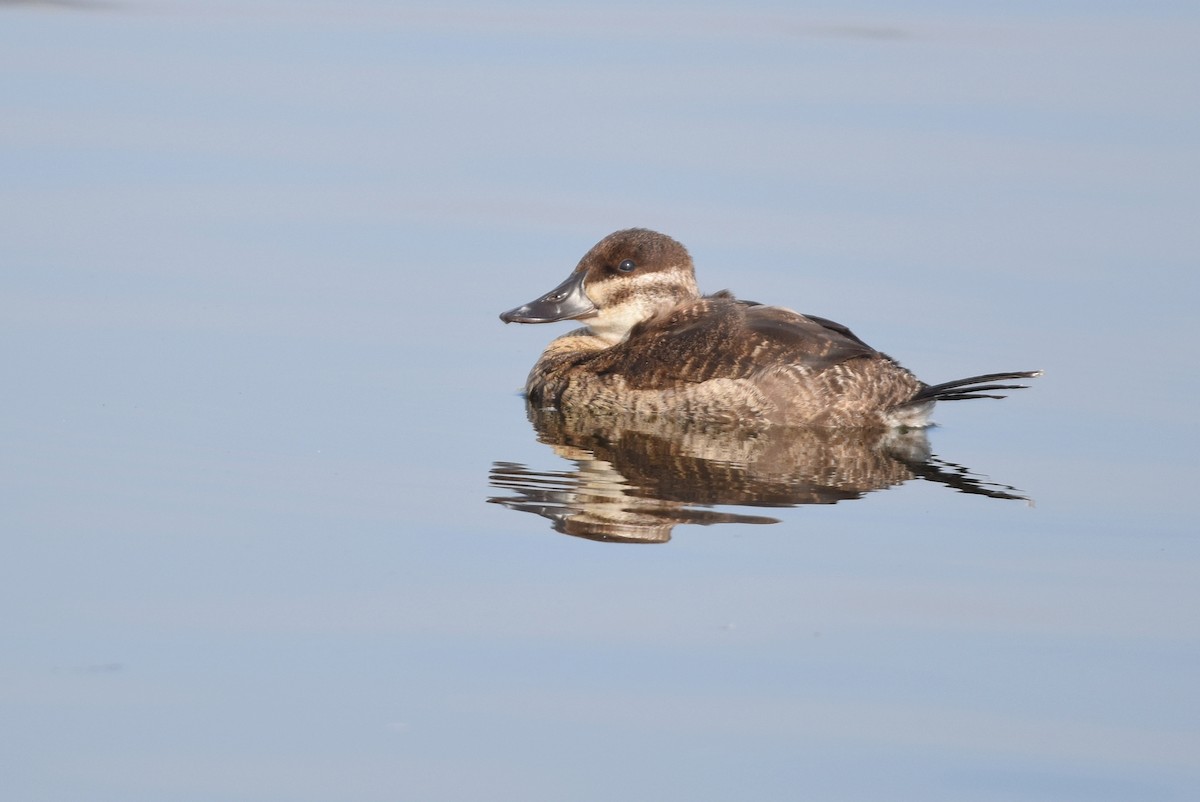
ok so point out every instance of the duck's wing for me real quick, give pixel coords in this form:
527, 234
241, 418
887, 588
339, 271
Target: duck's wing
719, 337
839, 329
795, 339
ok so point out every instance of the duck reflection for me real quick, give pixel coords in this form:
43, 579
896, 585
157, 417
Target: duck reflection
635, 479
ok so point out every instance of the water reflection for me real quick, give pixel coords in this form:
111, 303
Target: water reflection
633, 480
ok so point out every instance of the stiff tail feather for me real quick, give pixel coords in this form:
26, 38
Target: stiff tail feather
973, 387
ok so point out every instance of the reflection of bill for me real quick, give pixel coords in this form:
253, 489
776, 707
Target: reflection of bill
635, 479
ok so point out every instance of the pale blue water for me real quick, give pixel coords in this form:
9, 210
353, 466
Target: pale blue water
255, 385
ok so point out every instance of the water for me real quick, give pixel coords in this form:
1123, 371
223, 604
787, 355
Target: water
257, 401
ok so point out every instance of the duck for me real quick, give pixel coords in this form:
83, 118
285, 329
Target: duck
652, 345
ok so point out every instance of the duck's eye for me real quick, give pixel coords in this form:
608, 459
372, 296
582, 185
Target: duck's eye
627, 266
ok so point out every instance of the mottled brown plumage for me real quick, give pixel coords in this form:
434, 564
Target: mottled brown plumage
653, 346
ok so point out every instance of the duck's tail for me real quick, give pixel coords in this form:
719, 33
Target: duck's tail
973, 387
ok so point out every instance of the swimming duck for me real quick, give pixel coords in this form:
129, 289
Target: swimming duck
654, 346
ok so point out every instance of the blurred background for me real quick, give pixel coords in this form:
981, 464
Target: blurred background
251, 260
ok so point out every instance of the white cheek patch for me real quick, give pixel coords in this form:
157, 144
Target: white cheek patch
651, 293
613, 323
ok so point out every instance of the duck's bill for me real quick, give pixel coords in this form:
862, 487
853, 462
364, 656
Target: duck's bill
567, 301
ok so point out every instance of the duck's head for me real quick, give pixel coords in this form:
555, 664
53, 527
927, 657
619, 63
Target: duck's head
627, 277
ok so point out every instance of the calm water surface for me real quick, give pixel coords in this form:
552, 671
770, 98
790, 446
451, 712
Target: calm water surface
257, 402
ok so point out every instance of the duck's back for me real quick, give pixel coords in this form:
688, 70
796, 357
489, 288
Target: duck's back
720, 359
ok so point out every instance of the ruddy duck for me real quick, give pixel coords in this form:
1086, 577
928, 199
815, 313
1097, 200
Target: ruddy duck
653, 345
